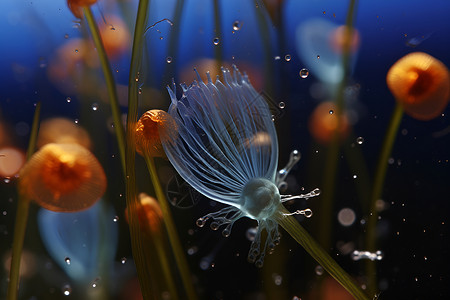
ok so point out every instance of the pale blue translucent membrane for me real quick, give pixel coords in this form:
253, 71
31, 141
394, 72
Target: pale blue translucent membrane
82, 243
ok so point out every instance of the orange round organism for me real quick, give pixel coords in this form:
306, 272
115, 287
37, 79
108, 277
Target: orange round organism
324, 121
63, 178
62, 131
149, 214
115, 36
421, 84
76, 6
151, 127
342, 38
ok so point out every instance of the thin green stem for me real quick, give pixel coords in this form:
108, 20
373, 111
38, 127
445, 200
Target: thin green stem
165, 266
139, 254
20, 225
332, 158
171, 230
380, 175
291, 225
110, 83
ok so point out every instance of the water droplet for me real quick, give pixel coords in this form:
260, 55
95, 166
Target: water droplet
6, 180
304, 73
331, 112
357, 255
67, 260
319, 270
68, 99
216, 41
66, 36
76, 121
76, 50
277, 279
236, 25
94, 106
116, 219
67, 290
281, 105
287, 57
318, 56
169, 59
123, 260
192, 250
307, 213
277, 57
359, 140
355, 176
96, 282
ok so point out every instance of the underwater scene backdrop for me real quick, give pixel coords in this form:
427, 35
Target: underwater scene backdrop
371, 134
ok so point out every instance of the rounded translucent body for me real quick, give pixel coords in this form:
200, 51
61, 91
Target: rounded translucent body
260, 198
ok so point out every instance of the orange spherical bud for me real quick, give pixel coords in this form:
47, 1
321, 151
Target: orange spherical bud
76, 6
324, 122
421, 84
149, 214
62, 131
148, 130
63, 178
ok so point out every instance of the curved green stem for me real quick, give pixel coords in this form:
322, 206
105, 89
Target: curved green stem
380, 175
290, 224
139, 254
171, 230
20, 225
110, 84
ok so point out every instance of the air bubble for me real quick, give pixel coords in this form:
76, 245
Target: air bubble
67, 260
318, 56
94, 106
123, 260
359, 140
287, 57
169, 59
304, 73
236, 25
277, 279
116, 219
67, 290
319, 270
357, 255
277, 57
68, 99
66, 36
216, 41
281, 105
331, 112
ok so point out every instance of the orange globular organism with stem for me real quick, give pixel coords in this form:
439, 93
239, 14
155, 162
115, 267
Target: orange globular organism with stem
63, 178
324, 122
421, 85
76, 6
153, 126
345, 38
149, 214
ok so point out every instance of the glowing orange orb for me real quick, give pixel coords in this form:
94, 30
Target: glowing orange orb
421, 84
115, 36
63, 178
324, 122
62, 131
76, 6
148, 129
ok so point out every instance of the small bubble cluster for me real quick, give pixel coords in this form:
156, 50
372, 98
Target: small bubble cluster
357, 255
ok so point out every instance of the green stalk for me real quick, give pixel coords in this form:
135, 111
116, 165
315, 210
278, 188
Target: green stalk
20, 225
165, 266
333, 150
110, 84
177, 249
139, 254
290, 224
380, 175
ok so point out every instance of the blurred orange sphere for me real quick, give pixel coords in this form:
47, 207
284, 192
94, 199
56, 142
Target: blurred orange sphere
115, 36
11, 160
149, 214
421, 85
62, 131
324, 121
342, 38
63, 178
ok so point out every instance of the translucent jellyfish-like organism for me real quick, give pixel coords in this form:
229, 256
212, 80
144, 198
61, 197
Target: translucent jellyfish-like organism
225, 146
